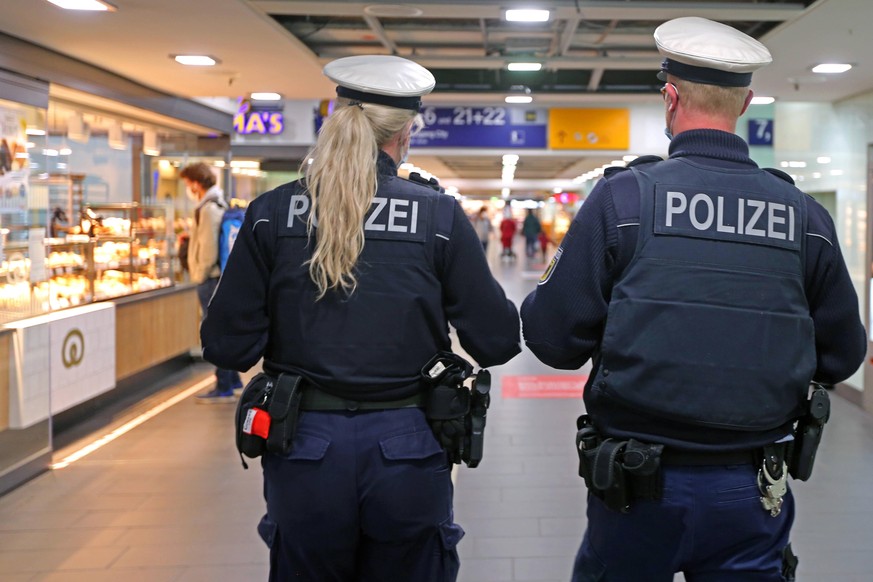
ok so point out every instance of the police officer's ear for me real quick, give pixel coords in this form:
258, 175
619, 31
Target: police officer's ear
748, 101
671, 96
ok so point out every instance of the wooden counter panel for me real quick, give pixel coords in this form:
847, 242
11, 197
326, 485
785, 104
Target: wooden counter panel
5, 348
152, 331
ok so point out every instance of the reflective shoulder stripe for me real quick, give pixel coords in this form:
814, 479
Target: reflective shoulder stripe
821, 237
259, 221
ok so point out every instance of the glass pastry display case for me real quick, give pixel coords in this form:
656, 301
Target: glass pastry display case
131, 248
115, 250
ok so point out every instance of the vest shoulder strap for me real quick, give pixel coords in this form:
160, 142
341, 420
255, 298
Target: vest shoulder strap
780, 174
642, 160
432, 182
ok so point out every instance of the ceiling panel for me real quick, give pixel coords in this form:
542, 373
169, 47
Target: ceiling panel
594, 52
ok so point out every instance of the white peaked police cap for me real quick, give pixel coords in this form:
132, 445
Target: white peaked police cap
703, 51
382, 79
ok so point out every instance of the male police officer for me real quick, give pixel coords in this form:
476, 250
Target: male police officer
709, 293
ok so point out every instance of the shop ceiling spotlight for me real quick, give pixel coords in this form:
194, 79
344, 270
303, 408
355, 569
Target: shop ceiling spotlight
266, 96
762, 100
830, 68
195, 60
95, 5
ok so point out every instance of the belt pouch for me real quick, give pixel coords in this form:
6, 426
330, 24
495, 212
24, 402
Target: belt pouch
608, 478
587, 441
284, 410
642, 462
252, 405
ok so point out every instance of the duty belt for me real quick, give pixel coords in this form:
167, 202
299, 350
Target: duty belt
314, 399
703, 458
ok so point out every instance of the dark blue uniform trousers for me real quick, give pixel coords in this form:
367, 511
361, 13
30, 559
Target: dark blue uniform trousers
710, 525
363, 496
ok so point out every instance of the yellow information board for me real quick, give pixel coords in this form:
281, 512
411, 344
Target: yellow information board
589, 129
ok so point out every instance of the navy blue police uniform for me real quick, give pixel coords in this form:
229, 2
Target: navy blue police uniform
708, 292
378, 476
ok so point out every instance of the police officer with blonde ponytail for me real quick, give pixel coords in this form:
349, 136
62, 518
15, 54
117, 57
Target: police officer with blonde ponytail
349, 278
708, 292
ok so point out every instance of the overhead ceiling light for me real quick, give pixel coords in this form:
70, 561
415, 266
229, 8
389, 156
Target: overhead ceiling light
34, 131
829, 68
266, 96
518, 99
823, 159
505, 192
762, 100
524, 66
392, 11
99, 5
527, 15
195, 60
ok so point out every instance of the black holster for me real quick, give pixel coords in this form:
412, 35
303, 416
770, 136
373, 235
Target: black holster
618, 472
266, 415
456, 414
808, 433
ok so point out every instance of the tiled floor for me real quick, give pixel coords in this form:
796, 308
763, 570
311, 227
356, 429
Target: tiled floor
169, 501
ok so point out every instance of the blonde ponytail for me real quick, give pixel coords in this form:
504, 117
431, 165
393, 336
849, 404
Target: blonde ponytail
342, 183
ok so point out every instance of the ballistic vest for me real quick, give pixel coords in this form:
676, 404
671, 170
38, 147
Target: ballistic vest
377, 338
709, 324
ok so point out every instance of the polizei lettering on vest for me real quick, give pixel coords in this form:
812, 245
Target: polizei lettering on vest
712, 213
401, 215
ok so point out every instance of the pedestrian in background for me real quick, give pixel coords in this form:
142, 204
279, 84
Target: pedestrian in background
202, 260
350, 280
709, 293
482, 224
507, 233
531, 228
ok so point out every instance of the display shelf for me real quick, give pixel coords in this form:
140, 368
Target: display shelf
130, 248
127, 253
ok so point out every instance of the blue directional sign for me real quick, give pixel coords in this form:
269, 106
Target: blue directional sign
488, 127
761, 132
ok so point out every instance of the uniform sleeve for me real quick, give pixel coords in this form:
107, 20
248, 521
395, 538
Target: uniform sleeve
563, 318
840, 341
235, 331
474, 302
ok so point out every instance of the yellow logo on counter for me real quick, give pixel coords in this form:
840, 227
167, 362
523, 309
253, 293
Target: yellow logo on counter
73, 349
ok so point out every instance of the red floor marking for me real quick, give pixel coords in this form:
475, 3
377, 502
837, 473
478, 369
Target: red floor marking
543, 386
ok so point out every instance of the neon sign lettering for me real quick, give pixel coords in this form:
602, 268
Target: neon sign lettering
246, 121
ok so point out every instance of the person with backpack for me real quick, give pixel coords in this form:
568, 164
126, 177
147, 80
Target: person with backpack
204, 260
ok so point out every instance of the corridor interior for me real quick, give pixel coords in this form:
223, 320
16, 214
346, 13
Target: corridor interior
170, 502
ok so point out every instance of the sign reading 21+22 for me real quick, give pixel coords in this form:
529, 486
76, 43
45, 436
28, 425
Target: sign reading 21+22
489, 127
